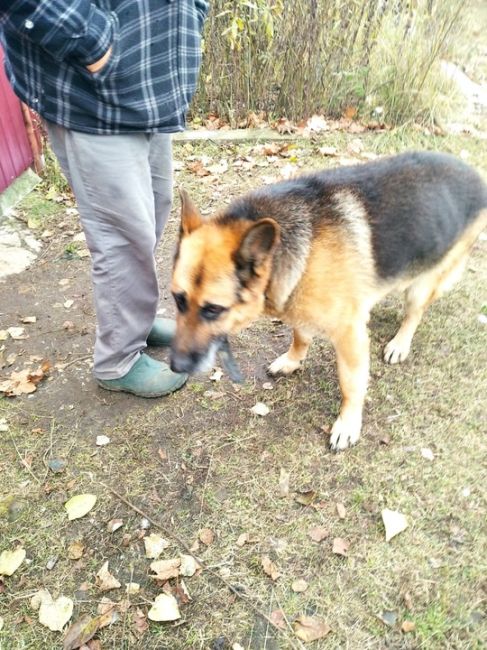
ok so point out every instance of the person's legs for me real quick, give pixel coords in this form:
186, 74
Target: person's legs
161, 167
112, 180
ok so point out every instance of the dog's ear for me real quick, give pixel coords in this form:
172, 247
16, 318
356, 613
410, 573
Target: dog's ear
257, 244
190, 216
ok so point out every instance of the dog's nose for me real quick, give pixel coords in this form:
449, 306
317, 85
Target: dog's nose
183, 361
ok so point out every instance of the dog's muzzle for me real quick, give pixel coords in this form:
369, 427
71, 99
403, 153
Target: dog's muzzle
196, 361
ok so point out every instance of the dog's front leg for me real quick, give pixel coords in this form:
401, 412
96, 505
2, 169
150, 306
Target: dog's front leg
290, 361
352, 350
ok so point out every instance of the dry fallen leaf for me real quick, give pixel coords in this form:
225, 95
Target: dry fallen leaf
114, 524
408, 626
316, 123
328, 151
318, 533
308, 628
427, 453
154, 545
164, 608
260, 409
340, 546
105, 581
76, 550
166, 569
140, 623
79, 505
54, 614
17, 333
207, 536
132, 588
342, 513
106, 605
80, 632
278, 618
299, 585
306, 498
283, 483
11, 560
269, 567
189, 566
24, 381
394, 523
216, 375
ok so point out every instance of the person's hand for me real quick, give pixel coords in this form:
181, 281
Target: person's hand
98, 65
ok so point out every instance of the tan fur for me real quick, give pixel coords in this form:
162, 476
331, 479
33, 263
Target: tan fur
333, 295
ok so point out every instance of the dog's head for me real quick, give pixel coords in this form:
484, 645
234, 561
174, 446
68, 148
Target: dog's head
221, 270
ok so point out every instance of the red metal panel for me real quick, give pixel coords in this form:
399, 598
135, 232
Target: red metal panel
15, 152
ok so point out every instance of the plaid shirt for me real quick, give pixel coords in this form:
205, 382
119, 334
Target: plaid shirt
147, 83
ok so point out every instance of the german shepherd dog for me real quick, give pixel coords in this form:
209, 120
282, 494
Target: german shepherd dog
318, 252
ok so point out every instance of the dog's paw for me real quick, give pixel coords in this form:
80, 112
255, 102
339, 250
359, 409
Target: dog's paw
396, 350
344, 433
283, 365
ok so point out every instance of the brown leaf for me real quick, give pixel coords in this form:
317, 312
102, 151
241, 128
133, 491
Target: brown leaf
105, 605
206, 535
242, 539
350, 112
93, 644
80, 632
166, 569
22, 382
278, 618
198, 168
76, 550
318, 533
340, 546
283, 125
308, 628
342, 513
140, 623
408, 626
114, 524
105, 581
246, 538
181, 593
305, 498
269, 567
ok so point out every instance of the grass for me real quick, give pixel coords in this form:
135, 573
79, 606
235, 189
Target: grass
222, 465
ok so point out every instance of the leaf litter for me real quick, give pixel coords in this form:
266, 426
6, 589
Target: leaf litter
79, 505
11, 560
394, 523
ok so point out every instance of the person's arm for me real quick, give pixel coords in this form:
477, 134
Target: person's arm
202, 8
74, 30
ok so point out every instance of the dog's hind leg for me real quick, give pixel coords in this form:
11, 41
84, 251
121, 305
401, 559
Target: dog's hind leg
352, 350
287, 363
419, 295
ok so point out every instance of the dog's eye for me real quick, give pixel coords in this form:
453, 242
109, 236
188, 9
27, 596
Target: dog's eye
181, 302
212, 312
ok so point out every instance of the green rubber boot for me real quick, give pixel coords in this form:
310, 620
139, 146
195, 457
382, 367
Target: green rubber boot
146, 378
162, 332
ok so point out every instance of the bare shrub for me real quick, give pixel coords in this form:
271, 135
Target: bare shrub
306, 56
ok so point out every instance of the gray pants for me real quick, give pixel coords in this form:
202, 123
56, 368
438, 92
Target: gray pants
123, 187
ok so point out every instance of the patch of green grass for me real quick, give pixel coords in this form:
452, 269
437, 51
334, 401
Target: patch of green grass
432, 625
